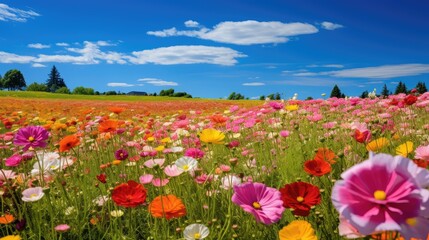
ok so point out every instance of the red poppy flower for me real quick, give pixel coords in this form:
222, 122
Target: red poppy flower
102, 178
300, 196
362, 137
68, 143
168, 206
130, 194
410, 99
317, 167
325, 154
108, 126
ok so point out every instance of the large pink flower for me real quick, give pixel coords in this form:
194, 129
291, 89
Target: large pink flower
31, 136
384, 193
422, 152
263, 202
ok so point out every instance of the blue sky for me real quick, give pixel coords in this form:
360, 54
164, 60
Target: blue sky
212, 48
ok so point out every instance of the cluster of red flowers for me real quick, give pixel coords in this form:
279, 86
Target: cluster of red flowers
321, 163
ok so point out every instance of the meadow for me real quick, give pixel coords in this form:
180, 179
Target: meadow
121, 167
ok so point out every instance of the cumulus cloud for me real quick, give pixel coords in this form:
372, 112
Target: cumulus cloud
157, 82
6, 57
245, 32
385, 71
254, 84
187, 54
305, 74
191, 23
116, 84
38, 46
326, 66
38, 65
62, 44
330, 25
14, 14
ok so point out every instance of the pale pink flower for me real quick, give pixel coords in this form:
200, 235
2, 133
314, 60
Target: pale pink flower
172, 171
145, 179
422, 152
157, 182
62, 228
154, 162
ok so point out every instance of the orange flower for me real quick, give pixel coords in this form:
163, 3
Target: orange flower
168, 206
218, 120
116, 110
317, 167
7, 218
68, 143
326, 155
108, 126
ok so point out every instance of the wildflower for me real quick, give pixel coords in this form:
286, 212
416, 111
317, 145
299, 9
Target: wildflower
108, 126
194, 153
382, 193
62, 228
405, 149
317, 167
116, 110
422, 152
196, 231
410, 99
68, 143
186, 164
276, 105
158, 182
172, 171
158, 162
6, 174
326, 154
284, 133
263, 202
377, 144
168, 206
211, 135
229, 181
145, 179
102, 177
297, 230
121, 154
362, 137
101, 200
11, 237
292, 107
31, 136
301, 197
6, 218
32, 194
20, 225
116, 213
13, 161
130, 194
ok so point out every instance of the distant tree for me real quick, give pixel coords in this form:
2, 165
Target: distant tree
277, 96
111, 93
54, 81
63, 90
167, 92
385, 91
37, 87
1, 83
235, 96
420, 87
364, 94
336, 92
14, 80
309, 98
262, 97
83, 91
401, 88
271, 96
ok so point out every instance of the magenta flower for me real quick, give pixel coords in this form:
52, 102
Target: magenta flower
31, 136
384, 193
13, 161
121, 154
263, 202
276, 105
194, 153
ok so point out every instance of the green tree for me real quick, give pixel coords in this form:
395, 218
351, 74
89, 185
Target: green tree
37, 87
277, 96
63, 90
262, 97
1, 83
385, 91
14, 80
364, 94
83, 91
54, 81
168, 92
401, 88
336, 92
421, 87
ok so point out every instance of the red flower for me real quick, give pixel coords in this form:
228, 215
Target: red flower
325, 154
362, 137
300, 196
410, 99
317, 167
102, 178
130, 194
69, 142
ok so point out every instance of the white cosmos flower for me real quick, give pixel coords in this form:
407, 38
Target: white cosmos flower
196, 231
229, 181
186, 163
32, 194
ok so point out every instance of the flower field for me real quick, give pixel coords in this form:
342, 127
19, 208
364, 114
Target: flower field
212, 169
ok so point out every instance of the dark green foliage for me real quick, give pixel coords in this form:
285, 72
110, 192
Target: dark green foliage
37, 87
83, 91
63, 90
14, 80
421, 87
336, 92
54, 81
401, 88
111, 93
364, 94
262, 97
385, 91
235, 96
309, 98
168, 92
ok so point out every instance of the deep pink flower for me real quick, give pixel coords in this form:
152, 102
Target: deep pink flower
31, 136
194, 153
276, 105
14, 160
121, 154
383, 193
62, 228
263, 202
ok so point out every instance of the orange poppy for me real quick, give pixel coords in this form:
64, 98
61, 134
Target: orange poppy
325, 154
218, 119
108, 126
7, 218
116, 110
68, 143
168, 206
317, 167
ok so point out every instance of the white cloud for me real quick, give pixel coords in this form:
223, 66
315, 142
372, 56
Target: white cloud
330, 25
315, 82
254, 84
305, 74
6, 57
191, 23
38, 46
116, 84
62, 44
14, 14
38, 65
386, 71
244, 33
157, 82
325, 66
187, 55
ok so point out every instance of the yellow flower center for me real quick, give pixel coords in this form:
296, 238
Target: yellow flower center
33, 195
186, 167
300, 199
380, 195
197, 236
411, 221
31, 139
256, 205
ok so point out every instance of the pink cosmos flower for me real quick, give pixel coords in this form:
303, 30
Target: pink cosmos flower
145, 179
194, 153
422, 152
276, 105
121, 154
62, 228
383, 193
14, 160
263, 202
31, 136
172, 171
154, 162
157, 182
6, 174
284, 133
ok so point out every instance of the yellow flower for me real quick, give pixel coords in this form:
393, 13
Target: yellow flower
211, 135
166, 140
291, 108
377, 144
405, 149
297, 230
11, 237
160, 148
